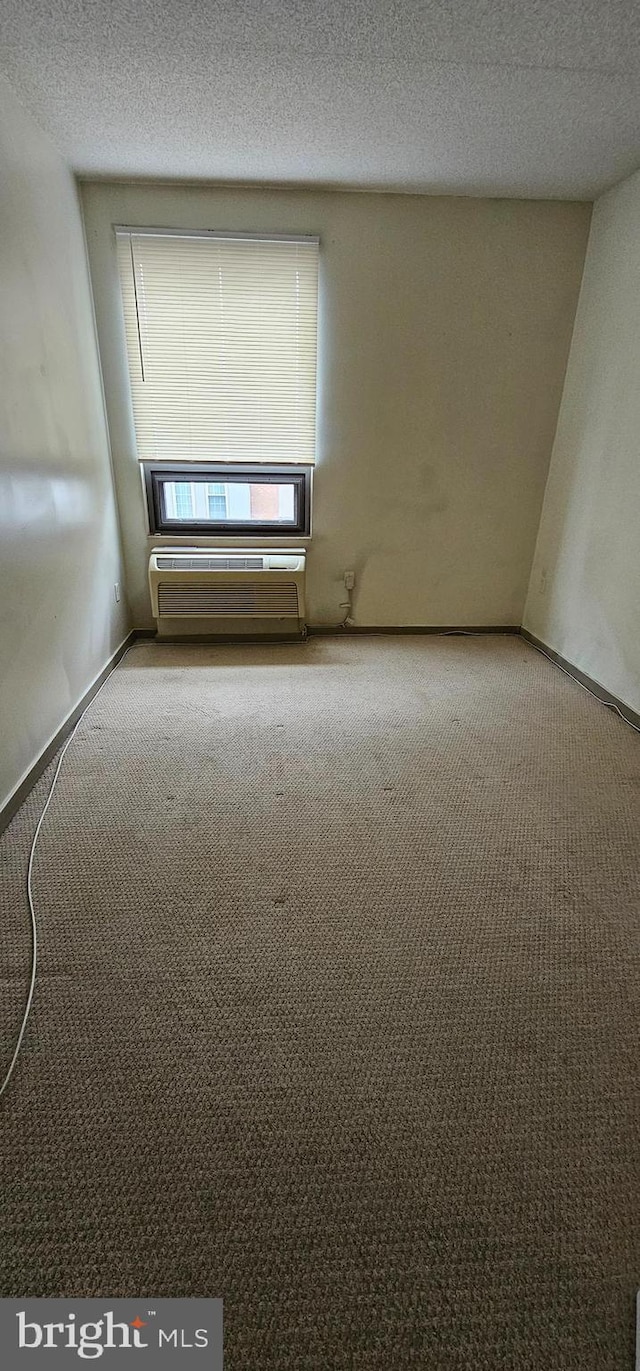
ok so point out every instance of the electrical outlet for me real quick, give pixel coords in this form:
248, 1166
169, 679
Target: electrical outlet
116, 591
543, 582
349, 579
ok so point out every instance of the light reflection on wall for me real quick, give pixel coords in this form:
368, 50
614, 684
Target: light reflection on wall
29, 497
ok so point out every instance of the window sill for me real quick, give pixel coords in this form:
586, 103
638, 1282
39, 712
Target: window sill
226, 540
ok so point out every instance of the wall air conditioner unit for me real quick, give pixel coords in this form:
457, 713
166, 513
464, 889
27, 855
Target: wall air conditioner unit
228, 592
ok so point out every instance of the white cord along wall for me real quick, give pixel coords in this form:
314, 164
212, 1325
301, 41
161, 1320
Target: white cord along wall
32, 853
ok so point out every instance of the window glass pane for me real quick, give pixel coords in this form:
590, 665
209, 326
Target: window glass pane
260, 502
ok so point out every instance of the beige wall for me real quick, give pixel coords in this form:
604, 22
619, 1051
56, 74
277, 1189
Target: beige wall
59, 547
584, 597
444, 331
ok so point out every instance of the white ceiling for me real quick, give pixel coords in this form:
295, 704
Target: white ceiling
497, 97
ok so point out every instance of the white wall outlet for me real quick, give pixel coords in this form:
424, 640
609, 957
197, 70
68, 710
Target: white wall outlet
116, 591
543, 582
349, 579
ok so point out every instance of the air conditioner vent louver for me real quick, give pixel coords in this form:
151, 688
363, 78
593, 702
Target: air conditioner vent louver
209, 563
220, 592
251, 597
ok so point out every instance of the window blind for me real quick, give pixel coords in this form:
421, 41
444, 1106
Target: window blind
221, 343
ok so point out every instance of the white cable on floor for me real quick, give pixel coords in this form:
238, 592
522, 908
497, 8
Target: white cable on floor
608, 704
32, 912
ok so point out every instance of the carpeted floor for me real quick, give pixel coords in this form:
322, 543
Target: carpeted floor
338, 1010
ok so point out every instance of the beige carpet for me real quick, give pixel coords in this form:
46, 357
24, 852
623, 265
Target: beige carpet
338, 1010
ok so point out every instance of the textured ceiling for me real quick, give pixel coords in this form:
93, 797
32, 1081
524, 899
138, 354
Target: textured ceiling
498, 97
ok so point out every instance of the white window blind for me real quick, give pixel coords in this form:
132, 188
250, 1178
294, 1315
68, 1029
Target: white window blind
221, 342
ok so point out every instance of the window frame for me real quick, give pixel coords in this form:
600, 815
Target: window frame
155, 473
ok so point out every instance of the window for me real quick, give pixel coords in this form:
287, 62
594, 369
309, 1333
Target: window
221, 345
217, 501
234, 500
183, 497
